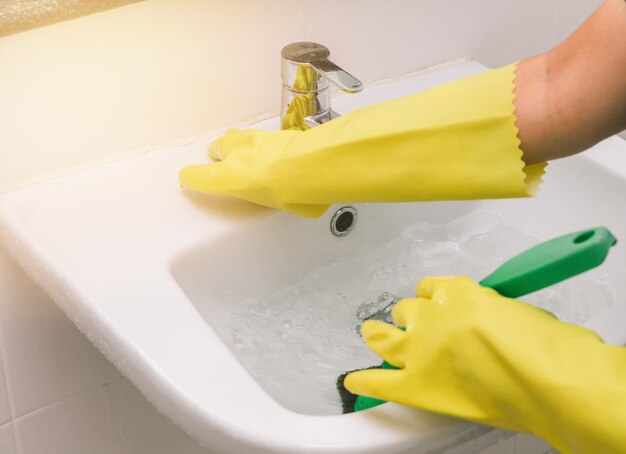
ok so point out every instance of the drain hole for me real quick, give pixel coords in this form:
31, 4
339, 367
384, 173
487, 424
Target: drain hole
343, 221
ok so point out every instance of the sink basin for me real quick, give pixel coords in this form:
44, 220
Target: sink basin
151, 274
288, 305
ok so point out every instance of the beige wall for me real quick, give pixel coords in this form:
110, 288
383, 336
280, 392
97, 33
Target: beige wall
93, 88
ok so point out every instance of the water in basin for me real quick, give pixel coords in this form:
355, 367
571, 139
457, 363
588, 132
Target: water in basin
297, 340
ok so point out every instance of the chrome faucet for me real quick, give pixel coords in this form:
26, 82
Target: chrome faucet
305, 72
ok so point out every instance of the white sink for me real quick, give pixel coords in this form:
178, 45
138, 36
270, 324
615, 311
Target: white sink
149, 272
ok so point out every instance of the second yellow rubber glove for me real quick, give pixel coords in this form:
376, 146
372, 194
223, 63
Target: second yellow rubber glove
453, 142
470, 353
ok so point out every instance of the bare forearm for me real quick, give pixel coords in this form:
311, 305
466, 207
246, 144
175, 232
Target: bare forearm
574, 95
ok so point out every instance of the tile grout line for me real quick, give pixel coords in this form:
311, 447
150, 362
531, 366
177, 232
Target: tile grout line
75, 396
12, 429
16, 437
6, 379
2, 353
105, 386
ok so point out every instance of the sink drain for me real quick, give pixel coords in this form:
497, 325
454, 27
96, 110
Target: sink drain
343, 221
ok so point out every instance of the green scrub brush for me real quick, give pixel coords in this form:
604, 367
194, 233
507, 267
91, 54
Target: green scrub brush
539, 267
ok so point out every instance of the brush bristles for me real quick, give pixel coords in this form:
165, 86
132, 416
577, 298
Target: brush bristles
348, 400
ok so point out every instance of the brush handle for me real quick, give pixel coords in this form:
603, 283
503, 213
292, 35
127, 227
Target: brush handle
551, 262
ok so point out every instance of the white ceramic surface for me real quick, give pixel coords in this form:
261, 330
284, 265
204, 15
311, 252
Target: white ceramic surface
527, 444
504, 447
104, 241
47, 359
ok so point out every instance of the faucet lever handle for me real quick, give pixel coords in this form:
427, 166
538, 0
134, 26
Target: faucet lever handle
315, 56
341, 78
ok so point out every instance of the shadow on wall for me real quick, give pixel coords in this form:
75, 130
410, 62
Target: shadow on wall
19, 15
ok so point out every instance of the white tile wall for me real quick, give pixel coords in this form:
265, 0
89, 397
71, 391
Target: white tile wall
569, 15
46, 358
375, 39
5, 408
80, 424
7, 439
114, 419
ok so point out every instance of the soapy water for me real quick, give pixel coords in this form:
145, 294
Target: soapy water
297, 341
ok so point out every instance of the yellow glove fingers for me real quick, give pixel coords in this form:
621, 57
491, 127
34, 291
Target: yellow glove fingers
378, 383
210, 178
427, 286
247, 144
386, 340
229, 179
406, 312
233, 139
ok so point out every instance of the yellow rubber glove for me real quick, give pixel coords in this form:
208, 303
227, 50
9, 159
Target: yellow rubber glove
456, 141
470, 353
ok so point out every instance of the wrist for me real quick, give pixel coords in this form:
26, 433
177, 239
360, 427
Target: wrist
534, 117
573, 96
